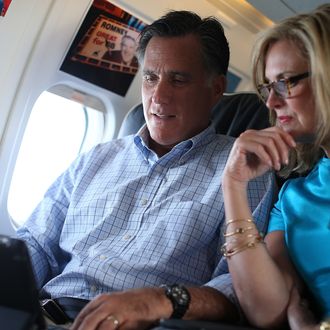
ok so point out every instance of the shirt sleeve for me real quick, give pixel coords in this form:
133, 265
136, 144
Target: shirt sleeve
43, 228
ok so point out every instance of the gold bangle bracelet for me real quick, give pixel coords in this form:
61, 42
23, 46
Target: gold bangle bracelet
251, 244
228, 222
234, 240
237, 231
325, 325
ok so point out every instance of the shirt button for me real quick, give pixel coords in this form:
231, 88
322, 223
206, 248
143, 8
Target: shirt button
93, 288
127, 237
144, 202
102, 257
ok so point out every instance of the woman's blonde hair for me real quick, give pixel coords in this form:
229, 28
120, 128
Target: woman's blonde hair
311, 34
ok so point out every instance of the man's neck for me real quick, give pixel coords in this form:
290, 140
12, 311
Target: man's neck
159, 149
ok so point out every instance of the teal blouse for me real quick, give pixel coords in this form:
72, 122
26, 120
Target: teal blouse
303, 212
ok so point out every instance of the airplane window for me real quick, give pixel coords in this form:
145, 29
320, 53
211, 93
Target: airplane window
57, 131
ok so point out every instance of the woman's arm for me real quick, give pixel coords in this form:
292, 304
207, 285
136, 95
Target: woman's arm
262, 283
299, 315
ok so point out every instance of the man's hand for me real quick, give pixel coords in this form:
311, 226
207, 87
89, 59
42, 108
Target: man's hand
128, 310
140, 309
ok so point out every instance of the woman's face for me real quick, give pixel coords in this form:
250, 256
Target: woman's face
296, 113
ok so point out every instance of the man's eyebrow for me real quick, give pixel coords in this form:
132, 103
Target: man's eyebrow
180, 73
172, 73
148, 72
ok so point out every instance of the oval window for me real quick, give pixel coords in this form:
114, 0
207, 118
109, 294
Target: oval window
58, 129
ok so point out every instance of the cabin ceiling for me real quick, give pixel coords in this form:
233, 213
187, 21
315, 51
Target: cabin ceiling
279, 9
242, 20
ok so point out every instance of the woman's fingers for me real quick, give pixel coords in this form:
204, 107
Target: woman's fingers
271, 145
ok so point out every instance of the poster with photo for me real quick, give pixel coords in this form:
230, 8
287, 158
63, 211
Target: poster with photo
4, 4
104, 49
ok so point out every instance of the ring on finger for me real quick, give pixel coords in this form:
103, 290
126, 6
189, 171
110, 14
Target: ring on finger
114, 321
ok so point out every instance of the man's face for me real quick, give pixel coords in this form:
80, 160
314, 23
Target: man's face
128, 48
177, 92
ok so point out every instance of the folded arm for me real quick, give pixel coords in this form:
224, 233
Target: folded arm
262, 273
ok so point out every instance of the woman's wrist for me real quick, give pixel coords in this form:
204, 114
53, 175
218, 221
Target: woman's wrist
229, 183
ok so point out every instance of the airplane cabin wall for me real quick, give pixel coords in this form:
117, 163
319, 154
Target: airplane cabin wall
34, 38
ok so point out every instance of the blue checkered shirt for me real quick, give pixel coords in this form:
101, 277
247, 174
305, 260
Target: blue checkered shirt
121, 218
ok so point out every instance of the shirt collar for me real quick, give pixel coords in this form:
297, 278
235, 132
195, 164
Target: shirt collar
142, 137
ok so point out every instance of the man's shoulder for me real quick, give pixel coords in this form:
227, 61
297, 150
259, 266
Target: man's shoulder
225, 138
121, 143
109, 147
104, 152
225, 141
215, 148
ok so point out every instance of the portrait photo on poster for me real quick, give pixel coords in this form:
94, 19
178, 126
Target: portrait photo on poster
103, 51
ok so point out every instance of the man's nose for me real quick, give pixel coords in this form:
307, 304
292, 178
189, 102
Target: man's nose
162, 92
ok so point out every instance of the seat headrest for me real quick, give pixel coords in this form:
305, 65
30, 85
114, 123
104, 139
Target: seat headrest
237, 112
232, 115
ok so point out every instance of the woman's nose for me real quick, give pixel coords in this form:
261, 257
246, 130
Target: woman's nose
274, 99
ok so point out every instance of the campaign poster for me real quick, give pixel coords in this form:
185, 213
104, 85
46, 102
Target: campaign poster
4, 4
104, 49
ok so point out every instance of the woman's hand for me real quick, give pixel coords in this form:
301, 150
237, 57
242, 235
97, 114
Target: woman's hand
300, 316
256, 151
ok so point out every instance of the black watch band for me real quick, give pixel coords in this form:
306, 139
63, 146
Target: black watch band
180, 299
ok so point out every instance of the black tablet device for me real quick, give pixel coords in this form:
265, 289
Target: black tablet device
19, 303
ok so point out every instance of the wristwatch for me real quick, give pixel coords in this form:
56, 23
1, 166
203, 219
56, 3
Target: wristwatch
179, 297
325, 325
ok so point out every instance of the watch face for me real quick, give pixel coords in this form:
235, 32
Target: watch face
180, 299
180, 295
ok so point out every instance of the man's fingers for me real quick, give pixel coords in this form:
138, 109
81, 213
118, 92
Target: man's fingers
91, 313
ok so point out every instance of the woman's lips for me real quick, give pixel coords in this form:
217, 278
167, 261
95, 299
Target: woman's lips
284, 119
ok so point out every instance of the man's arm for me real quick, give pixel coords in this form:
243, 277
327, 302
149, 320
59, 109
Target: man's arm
42, 230
142, 308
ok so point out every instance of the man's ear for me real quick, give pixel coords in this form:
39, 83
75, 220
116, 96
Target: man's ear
219, 85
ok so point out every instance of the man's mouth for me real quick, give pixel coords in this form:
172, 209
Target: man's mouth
162, 116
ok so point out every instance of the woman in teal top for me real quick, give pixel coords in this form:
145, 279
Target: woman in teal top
291, 71
303, 213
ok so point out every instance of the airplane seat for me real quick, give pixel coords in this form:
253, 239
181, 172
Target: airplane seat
232, 115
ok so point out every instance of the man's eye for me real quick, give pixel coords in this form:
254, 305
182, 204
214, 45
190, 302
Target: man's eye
149, 78
179, 81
